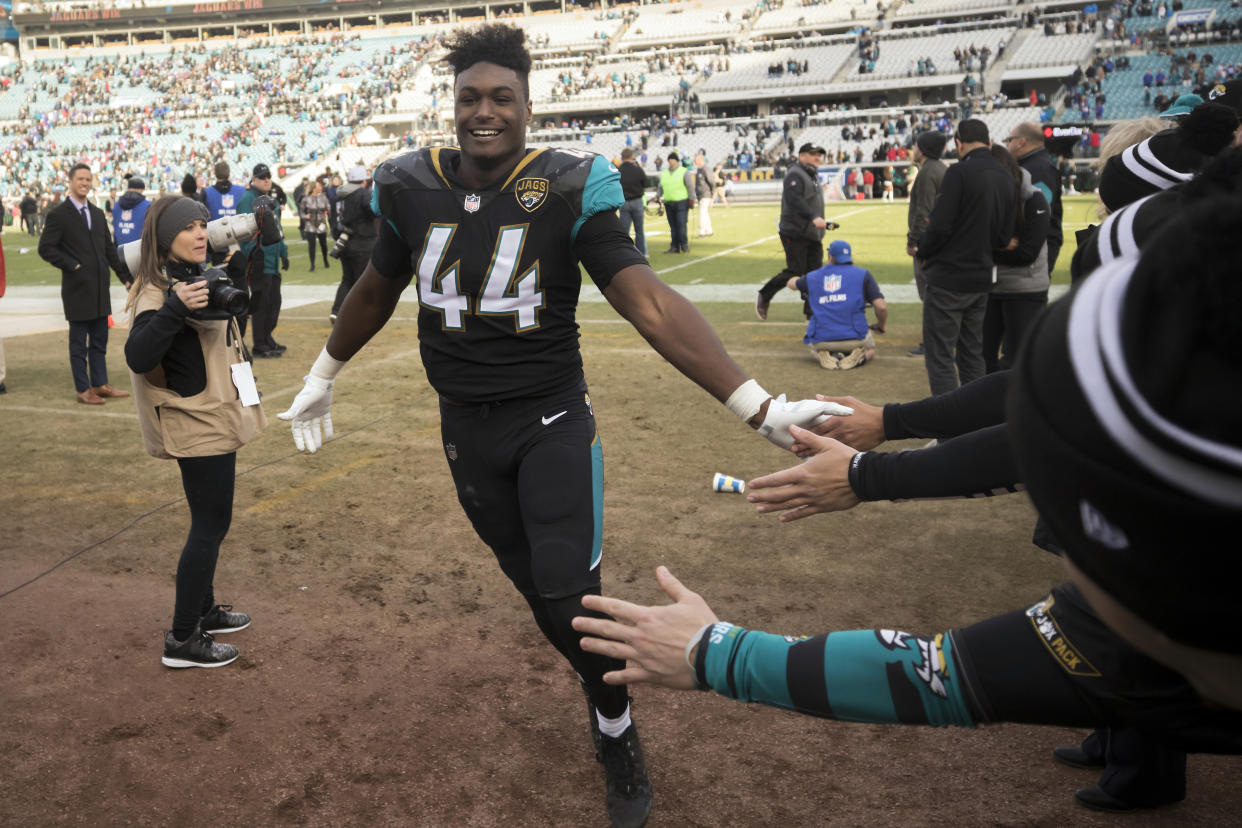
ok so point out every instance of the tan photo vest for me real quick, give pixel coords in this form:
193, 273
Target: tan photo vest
211, 422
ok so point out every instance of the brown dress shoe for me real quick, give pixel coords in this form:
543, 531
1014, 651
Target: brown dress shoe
89, 397
109, 391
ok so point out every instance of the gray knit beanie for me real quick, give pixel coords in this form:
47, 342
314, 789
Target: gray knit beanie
176, 218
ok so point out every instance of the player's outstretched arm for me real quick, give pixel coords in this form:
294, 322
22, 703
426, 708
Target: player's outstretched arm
680, 334
840, 675
367, 307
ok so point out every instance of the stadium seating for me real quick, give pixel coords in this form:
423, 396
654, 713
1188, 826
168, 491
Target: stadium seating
798, 18
899, 54
750, 71
1039, 49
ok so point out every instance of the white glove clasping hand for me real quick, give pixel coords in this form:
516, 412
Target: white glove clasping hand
310, 411
310, 414
803, 413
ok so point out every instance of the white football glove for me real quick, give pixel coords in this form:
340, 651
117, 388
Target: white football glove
805, 413
310, 413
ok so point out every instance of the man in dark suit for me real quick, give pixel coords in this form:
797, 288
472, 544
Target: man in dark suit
76, 240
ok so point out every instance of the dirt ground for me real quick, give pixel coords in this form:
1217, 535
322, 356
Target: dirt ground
393, 677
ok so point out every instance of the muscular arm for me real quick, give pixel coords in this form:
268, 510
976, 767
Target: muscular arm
676, 329
366, 309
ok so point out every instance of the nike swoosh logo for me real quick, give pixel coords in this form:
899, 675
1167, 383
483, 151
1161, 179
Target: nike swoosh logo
553, 418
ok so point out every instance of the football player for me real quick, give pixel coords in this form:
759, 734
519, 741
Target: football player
492, 233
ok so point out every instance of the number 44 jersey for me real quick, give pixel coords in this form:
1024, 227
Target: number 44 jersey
496, 268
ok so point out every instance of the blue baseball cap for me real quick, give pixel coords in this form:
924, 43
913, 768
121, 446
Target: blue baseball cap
840, 252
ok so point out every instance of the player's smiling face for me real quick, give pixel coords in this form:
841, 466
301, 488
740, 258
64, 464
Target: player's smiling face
491, 109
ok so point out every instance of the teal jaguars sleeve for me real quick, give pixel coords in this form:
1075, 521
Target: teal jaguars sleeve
879, 676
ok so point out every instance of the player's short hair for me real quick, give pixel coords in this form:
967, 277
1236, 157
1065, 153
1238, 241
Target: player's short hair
497, 43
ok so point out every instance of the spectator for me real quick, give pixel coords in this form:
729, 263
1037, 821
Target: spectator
633, 186
704, 187
76, 240
928, 148
973, 216
1026, 144
29, 208
1153, 634
313, 212
839, 292
1021, 288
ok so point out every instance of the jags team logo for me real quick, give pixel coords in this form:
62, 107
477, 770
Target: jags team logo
832, 283
1217, 91
531, 192
472, 203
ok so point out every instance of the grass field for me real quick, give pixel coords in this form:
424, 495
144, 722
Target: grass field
876, 231
394, 677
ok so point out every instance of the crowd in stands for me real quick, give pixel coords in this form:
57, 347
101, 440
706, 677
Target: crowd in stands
192, 106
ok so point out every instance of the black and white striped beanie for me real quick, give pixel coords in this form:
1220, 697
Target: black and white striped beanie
1167, 158
1126, 416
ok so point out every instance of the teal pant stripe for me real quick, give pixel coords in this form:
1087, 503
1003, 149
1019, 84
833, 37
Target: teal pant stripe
597, 491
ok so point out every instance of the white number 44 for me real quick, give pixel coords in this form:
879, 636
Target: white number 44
502, 293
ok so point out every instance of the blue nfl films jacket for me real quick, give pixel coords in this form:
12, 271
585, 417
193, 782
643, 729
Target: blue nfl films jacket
128, 214
223, 204
838, 304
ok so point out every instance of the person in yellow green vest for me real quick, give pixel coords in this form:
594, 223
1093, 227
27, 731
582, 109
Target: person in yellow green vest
676, 184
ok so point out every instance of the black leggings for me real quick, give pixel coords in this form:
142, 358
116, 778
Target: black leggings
323, 246
208, 484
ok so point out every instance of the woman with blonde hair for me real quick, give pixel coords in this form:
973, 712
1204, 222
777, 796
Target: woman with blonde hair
197, 403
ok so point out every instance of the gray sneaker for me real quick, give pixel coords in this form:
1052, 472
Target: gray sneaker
221, 619
199, 650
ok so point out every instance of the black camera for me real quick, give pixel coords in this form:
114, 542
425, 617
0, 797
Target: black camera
339, 247
223, 300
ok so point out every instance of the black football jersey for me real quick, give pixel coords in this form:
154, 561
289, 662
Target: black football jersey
496, 274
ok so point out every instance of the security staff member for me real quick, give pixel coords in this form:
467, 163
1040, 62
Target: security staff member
801, 227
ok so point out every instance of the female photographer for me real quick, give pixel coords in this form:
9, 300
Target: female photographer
195, 405
314, 212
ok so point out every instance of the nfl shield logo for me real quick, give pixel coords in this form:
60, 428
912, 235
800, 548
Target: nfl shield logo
832, 283
451, 450
472, 203
127, 215
226, 200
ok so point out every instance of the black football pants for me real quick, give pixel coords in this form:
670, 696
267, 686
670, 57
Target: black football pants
529, 474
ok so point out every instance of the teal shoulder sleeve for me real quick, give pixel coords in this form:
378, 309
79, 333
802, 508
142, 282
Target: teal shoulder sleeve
600, 193
879, 676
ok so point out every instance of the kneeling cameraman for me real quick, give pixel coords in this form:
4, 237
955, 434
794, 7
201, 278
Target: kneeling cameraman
197, 402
